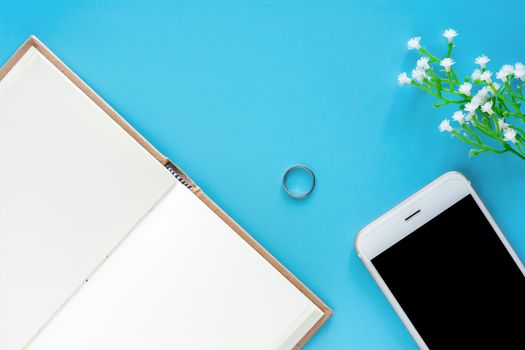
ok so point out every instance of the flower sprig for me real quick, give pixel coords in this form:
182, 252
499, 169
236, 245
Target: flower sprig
489, 115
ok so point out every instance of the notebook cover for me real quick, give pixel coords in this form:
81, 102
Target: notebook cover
34, 42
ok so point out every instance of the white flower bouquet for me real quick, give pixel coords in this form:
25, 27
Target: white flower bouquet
489, 112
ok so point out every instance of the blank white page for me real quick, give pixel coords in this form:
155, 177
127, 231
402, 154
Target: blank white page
72, 185
182, 279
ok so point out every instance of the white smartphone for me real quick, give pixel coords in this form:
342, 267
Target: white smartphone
447, 269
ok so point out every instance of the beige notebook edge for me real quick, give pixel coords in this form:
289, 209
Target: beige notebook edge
33, 42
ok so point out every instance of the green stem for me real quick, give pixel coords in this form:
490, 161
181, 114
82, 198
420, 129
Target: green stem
455, 76
517, 115
496, 93
483, 129
472, 133
419, 86
432, 57
449, 51
450, 85
509, 148
444, 103
475, 144
512, 94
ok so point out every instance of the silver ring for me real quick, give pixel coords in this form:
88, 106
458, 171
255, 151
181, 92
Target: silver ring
303, 194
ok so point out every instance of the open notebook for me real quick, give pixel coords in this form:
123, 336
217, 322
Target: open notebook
105, 244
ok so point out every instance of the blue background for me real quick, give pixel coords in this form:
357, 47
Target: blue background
234, 92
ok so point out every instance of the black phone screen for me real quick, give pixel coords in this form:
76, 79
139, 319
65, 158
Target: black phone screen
457, 283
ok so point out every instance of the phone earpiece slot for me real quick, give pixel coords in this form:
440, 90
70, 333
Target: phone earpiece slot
412, 215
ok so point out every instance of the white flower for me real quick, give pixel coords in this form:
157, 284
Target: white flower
487, 108
469, 116
465, 88
450, 34
423, 63
509, 134
445, 126
504, 72
519, 71
501, 123
447, 63
502, 76
508, 69
414, 43
480, 97
485, 76
418, 74
459, 117
476, 74
482, 61
520, 74
483, 93
471, 107
403, 79
477, 100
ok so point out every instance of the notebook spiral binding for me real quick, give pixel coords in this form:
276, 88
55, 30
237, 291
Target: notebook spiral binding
178, 177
